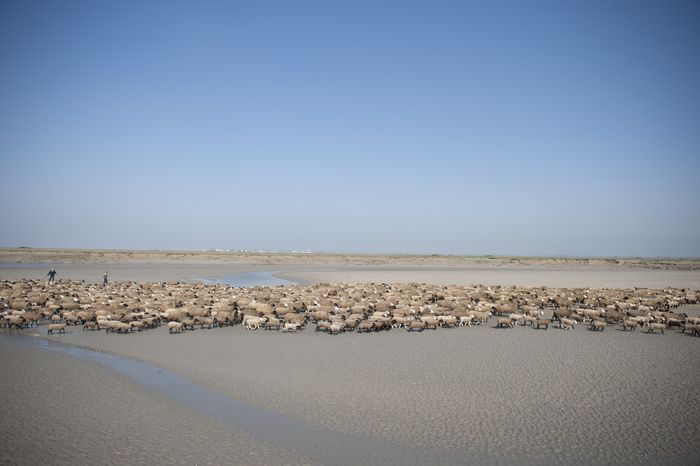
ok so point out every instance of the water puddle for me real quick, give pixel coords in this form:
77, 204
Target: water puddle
320, 445
250, 279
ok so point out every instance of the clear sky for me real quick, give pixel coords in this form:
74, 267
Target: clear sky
524, 127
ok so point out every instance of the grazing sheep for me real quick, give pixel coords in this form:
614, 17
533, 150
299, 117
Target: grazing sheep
54, 327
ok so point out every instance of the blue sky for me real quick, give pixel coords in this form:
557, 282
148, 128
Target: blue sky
528, 128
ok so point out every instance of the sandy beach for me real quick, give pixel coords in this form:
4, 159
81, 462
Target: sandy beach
468, 395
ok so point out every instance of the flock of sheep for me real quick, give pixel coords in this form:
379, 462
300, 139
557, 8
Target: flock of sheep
336, 308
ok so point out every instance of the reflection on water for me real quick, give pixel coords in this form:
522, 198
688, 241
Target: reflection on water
320, 445
249, 279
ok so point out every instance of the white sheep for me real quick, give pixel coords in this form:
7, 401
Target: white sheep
291, 327
174, 327
567, 324
61, 328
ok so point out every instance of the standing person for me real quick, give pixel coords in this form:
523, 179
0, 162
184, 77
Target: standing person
104, 279
51, 274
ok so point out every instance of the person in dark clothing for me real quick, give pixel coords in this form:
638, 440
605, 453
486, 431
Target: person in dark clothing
51, 274
104, 279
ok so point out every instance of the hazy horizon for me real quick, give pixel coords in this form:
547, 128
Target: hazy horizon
350, 253
504, 128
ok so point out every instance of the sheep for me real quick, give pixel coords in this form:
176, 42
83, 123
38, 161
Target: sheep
598, 325
109, 325
322, 325
206, 321
90, 325
567, 324
447, 321
273, 323
692, 328
61, 328
14, 321
174, 327
123, 327
504, 322
517, 318
543, 323
465, 321
653, 326
187, 324
416, 326
674, 322
630, 323
529, 320
480, 317
430, 322
336, 328
253, 323
291, 327
400, 321
136, 325
366, 326
31, 318
590, 314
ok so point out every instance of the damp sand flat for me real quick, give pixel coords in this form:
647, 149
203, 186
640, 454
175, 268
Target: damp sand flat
512, 396
61, 410
89, 265
522, 275
515, 396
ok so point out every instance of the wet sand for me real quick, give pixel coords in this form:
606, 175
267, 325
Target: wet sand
513, 396
483, 395
61, 410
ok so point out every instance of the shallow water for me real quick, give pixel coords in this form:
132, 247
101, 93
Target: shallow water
320, 445
249, 279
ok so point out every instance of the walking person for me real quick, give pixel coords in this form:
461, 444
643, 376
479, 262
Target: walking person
104, 279
51, 274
